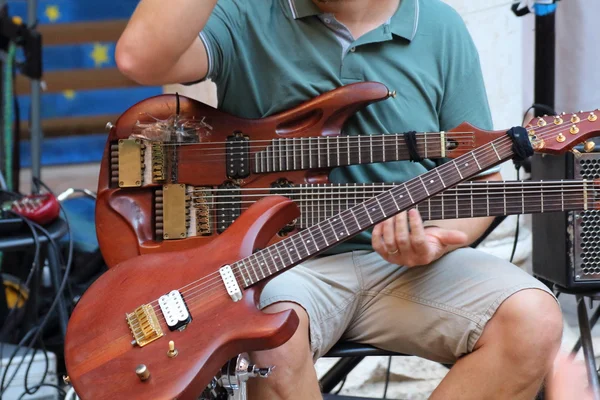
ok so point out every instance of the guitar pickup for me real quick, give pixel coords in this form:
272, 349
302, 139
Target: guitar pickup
175, 311
127, 163
237, 156
172, 207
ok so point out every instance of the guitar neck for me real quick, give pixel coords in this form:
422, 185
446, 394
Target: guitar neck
329, 232
334, 151
466, 200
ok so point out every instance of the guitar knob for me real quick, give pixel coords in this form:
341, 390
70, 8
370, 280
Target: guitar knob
142, 372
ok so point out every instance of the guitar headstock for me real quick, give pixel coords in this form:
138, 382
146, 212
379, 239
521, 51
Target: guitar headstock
560, 133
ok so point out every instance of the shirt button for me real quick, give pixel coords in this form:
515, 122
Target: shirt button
327, 20
353, 49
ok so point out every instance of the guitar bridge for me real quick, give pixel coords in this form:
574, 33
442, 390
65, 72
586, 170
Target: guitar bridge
144, 325
172, 206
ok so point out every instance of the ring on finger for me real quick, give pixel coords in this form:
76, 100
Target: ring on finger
393, 252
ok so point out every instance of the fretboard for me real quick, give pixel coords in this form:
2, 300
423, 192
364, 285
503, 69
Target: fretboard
329, 232
466, 200
333, 151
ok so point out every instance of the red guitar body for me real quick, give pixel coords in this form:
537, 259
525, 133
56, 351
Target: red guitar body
100, 358
124, 216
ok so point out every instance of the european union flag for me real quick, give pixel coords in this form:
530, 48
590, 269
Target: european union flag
65, 57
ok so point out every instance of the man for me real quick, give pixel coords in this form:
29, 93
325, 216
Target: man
406, 287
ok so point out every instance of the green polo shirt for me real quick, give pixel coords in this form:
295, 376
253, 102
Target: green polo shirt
267, 56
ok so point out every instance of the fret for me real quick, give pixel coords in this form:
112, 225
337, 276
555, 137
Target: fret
379, 203
348, 152
253, 268
408, 192
459, 174
313, 239
504, 198
279, 256
442, 204
457, 205
356, 219
542, 196
397, 146
323, 234
292, 239
294, 152
371, 147
425, 141
262, 162
279, 155
496, 151
522, 200
383, 146
333, 229
266, 263
443, 144
337, 144
302, 153
562, 196
318, 153
472, 198
345, 227
367, 211
310, 164
304, 241
288, 253
255, 255
242, 272
476, 162
424, 186
395, 202
441, 180
487, 197
359, 151
256, 157
268, 160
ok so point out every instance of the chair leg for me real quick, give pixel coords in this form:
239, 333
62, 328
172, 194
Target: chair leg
338, 372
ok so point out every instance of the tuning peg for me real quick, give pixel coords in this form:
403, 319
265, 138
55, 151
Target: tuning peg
541, 122
558, 120
575, 119
574, 130
576, 152
592, 117
560, 138
589, 146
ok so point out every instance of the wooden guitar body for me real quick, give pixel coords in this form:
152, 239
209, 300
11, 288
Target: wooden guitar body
100, 358
123, 215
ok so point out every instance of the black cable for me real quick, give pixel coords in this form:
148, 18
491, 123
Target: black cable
387, 377
61, 390
59, 290
25, 378
10, 360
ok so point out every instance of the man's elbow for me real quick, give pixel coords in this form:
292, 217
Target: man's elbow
134, 64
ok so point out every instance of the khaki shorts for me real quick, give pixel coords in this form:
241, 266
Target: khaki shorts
437, 311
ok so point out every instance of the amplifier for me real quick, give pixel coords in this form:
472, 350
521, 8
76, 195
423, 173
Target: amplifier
566, 246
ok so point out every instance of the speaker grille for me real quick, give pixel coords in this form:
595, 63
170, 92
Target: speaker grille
586, 233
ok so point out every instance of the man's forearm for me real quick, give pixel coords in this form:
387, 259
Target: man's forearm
160, 32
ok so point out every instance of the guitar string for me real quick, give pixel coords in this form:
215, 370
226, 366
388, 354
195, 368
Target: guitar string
414, 183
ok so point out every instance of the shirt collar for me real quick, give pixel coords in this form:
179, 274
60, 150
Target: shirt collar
403, 23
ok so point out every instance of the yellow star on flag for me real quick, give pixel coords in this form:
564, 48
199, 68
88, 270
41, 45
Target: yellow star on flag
52, 12
100, 54
69, 94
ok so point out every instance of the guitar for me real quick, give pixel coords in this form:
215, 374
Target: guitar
222, 206
170, 139
145, 331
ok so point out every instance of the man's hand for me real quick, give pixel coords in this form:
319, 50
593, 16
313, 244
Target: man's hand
419, 246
